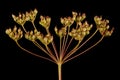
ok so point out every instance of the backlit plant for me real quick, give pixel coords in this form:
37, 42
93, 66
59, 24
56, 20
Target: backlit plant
67, 35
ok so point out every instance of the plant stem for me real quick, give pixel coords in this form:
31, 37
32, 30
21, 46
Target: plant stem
84, 50
24, 28
59, 71
33, 53
34, 25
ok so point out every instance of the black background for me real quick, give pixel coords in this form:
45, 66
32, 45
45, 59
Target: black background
99, 63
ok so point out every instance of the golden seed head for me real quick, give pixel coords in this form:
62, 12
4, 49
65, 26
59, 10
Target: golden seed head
14, 34
67, 21
61, 32
45, 21
47, 39
22, 18
102, 26
80, 17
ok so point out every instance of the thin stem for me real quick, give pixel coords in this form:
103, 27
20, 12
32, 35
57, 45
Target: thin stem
70, 41
70, 53
47, 30
39, 46
24, 28
55, 58
50, 52
60, 44
34, 25
60, 48
54, 47
66, 39
88, 39
85, 50
33, 53
68, 45
65, 43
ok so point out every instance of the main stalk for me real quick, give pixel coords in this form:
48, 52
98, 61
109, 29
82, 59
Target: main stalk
59, 71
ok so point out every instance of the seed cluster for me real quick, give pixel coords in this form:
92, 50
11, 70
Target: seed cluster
102, 26
28, 16
78, 17
80, 32
68, 21
45, 21
14, 34
61, 32
33, 35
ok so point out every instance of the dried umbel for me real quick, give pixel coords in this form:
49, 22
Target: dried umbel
66, 34
102, 26
15, 34
82, 31
21, 19
45, 21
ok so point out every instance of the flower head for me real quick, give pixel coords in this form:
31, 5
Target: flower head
47, 39
28, 16
32, 35
67, 21
78, 17
45, 21
102, 26
14, 34
61, 32
20, 19
80, 32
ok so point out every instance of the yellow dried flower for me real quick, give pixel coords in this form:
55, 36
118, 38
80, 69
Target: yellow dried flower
47, 39
67, 21
20, 19
61, 32
14, 34
102, 26
45, 21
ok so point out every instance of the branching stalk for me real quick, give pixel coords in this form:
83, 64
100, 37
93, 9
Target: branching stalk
84, 50
55, 50
34, 26
51, 53
77, 48
33, 53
